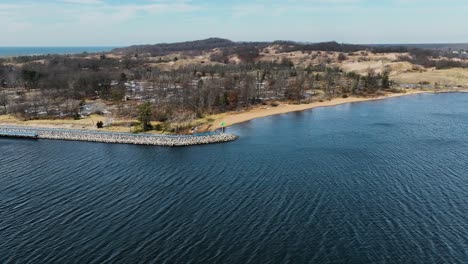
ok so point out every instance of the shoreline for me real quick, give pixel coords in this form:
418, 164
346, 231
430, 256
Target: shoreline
259, 112
229, 118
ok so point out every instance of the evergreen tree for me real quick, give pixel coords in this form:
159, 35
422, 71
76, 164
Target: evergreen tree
144, 116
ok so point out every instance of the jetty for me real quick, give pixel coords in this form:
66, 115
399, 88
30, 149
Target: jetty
19, 134
118, 138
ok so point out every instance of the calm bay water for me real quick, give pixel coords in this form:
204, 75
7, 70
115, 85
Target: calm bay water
26, 51
374, 182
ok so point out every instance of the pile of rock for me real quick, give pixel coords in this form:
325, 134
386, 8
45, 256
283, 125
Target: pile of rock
123, 138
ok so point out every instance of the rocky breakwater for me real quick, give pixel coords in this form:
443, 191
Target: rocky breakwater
123, 138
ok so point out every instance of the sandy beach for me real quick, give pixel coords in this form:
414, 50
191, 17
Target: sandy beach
264, 111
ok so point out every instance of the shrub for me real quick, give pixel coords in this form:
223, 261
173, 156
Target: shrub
100, 124
137, 129
396, 90
342, 57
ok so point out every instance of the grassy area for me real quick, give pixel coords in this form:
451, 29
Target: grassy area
88, 123
120, 125
405, 72
362, 67
455, 76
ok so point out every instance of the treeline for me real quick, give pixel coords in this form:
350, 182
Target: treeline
194, 91
434, 58
248, 52
228, 46
188, 47
212, 89
44, 57
429, 62
323, 46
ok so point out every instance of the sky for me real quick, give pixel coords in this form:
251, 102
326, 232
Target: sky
126, 22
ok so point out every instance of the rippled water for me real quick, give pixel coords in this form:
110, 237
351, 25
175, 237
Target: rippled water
374, 182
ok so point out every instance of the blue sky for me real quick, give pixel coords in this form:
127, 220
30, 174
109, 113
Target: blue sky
125, 22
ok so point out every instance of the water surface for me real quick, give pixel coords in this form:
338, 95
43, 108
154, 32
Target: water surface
374, 182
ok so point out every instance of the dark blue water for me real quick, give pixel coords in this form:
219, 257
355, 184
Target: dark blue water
26, 51
374, 182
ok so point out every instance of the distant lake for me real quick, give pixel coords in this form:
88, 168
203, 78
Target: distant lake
374, 182
26, 51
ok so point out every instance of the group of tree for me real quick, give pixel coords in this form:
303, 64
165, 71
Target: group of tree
56, 85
